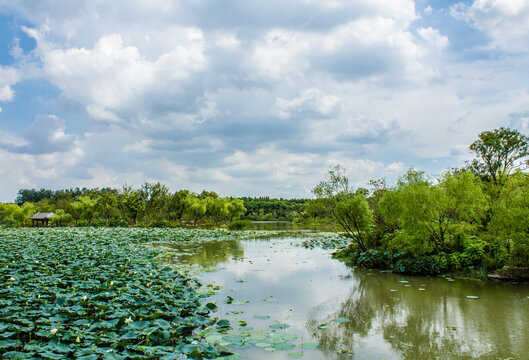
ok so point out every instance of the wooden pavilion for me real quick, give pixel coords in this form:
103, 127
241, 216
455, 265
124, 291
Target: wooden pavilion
42, 218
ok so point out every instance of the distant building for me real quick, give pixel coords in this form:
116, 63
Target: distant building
42, 218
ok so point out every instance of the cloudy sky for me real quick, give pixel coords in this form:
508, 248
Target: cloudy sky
252, 97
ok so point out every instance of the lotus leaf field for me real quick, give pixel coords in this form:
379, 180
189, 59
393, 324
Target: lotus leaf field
101, 294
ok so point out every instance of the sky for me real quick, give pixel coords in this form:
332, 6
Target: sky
252, 98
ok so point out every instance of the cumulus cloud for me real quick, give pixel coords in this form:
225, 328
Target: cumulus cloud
114, 77
506, 22
310, 103
9, 76
45, 135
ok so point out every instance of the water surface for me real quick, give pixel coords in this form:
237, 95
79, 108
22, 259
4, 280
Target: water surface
355, 313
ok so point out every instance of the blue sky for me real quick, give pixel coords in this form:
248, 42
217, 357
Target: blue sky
252, 97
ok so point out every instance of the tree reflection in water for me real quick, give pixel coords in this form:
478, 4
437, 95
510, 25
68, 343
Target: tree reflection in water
439, 322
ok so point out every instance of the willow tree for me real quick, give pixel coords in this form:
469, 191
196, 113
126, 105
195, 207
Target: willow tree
433, 213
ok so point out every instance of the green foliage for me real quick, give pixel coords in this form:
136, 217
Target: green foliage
498, 152
240, 225
151, 205
265, 208
419, 265
510, 216
61, 218
88, 293
434, 213
14, 215
349, 209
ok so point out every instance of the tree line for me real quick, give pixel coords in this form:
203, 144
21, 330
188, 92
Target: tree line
150, 205
472, 219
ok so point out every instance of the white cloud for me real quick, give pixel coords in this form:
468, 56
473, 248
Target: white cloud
45, 135
311, 102
506, 22
113, 79
9, 76
395, 167
433, 38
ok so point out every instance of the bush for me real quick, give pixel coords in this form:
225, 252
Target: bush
118, 222
372, 259
419, 265
99, 223
240, 225
159, 224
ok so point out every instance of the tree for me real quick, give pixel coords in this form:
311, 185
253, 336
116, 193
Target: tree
14, 215
510, 217
236, 209
195, 209
155, 197
107, 205
217, 209
133, 205
498, 152
350, 210
60, 217
434, 213
176, 205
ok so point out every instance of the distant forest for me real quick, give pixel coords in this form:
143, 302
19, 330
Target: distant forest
150, 205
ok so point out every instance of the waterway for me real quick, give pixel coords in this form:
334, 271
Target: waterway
274, 291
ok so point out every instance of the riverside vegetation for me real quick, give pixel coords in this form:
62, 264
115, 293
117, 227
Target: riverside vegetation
472, 220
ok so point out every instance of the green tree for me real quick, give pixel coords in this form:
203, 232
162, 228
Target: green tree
217, 209
510, 217
350, 210
195, 208
14, 215
176, 205
498, 152
61, 218
434, 213
133, 206
155, 197
236, 209
85, 208
107, 206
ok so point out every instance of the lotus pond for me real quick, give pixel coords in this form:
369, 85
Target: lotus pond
133, 293
99, 293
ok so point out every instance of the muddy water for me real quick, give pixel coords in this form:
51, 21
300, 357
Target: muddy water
353, 313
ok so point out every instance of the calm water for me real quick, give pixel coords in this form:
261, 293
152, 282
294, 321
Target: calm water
376, 315
290, 226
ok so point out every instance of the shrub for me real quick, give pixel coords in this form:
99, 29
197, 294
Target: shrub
99, 223
373, 259
419, 265
240, 225
118, 222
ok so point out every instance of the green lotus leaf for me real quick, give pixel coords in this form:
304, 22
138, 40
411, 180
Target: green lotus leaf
295, 354
279, 326
284, 346
16, 355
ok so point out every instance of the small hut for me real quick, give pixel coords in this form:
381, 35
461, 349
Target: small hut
42, 218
